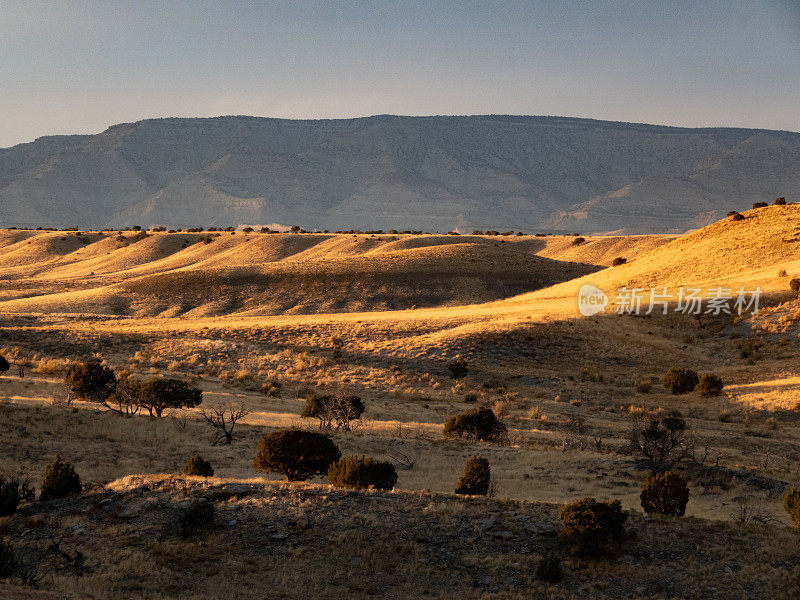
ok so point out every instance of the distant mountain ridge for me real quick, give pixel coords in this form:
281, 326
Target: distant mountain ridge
391, 172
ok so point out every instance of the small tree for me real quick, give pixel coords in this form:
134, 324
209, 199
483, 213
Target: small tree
12, 492
458, 368
791, 504
578, 241
661, 444
158, 395
330, 409
478, 424
710, 385
476, 478
23, 364
665, 494
91, 381
593, 528
680, 381
780, 201
60, 480
197, 466
360, 472
224, 418
4, 365
127, 396
296, 454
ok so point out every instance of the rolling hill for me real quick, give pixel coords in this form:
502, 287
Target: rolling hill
390, 172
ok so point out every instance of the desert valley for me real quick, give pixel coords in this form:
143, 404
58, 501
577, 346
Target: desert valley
419, 328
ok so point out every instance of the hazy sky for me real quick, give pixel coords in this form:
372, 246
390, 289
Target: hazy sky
77, 67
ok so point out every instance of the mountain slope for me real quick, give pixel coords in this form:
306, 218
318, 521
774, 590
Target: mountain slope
388, 172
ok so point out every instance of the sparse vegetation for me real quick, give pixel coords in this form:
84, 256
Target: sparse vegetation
578, 241
665, 494
618, 261
363, 473
296, 454
476, 478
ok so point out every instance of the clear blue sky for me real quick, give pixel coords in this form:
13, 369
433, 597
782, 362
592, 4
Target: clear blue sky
77, 67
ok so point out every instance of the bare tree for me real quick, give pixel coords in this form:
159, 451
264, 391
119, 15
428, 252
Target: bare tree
223, 418
403, 460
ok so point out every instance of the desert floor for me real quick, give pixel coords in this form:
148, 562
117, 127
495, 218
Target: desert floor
380, 316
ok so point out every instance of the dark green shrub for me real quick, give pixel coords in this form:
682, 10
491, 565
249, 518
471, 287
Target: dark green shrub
760, 204
665, 494
60, 480
91, 381
476, 478
296, 454
4, 365
680, 381
736, 216
12, 492
710, 385
362, 473
476, 424
791, 504
780, 201
593, 528
158, 395
197, 466
197, 516
458, 368
618, 261
794, 284
8, 561
578, 241
549, 568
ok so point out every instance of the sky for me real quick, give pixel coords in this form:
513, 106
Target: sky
79, 67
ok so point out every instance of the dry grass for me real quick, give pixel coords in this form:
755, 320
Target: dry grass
529, 359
